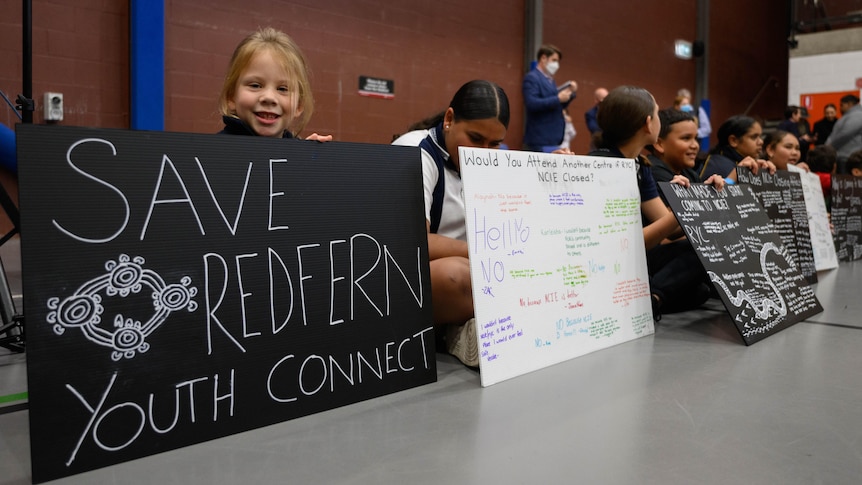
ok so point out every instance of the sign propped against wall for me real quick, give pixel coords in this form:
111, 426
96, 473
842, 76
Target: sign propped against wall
184, 287
822, 242
556, 256
847, 216
762, 290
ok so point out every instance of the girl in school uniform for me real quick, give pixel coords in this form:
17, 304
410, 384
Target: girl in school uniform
740, 139
629, 119
477, 116
782, 149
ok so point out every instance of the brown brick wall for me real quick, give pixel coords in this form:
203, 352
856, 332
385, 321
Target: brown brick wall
428, 49
80, 48
617, 42
748, 53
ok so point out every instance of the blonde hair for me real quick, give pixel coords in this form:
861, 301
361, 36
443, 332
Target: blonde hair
287, 53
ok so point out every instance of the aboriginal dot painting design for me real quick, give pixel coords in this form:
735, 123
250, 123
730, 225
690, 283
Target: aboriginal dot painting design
124, 277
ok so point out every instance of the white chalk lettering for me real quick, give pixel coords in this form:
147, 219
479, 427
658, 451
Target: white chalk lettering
302, 373
365, 273
140, 425
303, 277
285, 383
269, 381
125, 202
191, 385
176, 413
210, 308
243, 295
231, 227
186, 200
273, 194
332, 280
354, 280
273, 254
217, 398
405, 369
417, 295
125, 421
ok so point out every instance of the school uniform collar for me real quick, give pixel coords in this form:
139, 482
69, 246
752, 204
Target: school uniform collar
616, 153
731, 153
439, 138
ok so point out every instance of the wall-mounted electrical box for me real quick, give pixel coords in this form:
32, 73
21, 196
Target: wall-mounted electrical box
53, 106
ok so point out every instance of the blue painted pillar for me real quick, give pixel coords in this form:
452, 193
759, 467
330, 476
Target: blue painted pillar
147, 64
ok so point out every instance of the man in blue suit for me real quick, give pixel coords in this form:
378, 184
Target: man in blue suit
545, 101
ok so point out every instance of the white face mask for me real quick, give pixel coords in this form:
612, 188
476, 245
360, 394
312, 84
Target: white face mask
552, 67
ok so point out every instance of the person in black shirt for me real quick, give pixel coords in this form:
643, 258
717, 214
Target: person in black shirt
823, 128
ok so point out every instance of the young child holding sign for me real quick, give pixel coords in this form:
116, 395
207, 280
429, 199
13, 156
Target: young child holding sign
674, 266
266, 91
676, 148
782, 149
740, 139
478, 116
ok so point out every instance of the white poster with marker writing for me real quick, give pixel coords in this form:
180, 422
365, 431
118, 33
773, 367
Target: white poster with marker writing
818, 220
556, 256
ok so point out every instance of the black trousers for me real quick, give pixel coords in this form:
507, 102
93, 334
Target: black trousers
677, 277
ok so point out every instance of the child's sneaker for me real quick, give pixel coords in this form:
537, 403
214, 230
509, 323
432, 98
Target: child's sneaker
462, 343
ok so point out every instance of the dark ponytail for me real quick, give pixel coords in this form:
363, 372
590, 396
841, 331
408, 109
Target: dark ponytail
737, 126
479, 100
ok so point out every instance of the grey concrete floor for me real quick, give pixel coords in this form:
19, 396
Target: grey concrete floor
690, 404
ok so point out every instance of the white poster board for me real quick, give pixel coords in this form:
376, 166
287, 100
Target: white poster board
822, 242
556, 256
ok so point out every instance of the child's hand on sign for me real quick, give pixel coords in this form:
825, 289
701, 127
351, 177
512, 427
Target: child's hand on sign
320, 138
680, 180
803, 166
716, 180
756, 165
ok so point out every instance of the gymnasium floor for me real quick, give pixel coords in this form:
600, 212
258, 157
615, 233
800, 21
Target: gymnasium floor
690, 404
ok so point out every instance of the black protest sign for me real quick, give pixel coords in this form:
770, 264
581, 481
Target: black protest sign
750, 268
183, 287
782, 196
846, 212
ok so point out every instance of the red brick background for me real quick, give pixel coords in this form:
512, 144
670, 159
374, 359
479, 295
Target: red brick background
81, 48
428, 48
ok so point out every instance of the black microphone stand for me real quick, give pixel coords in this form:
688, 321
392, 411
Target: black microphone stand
12, 322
